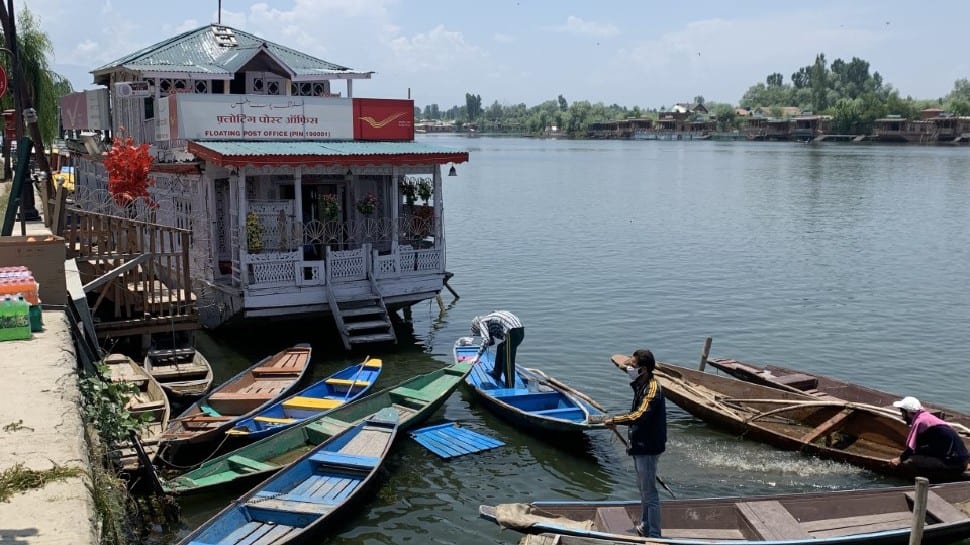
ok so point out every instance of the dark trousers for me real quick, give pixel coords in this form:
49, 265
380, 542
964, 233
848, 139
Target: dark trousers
505, 356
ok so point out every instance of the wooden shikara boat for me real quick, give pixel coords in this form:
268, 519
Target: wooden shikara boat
242, 396
184, 373
312, 493
415, 400
148, 403
537, 401
339, 388
855, 433
878, 516
824, 387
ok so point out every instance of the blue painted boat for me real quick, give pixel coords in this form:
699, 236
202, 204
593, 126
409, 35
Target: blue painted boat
301, 501
339, 388
536, 401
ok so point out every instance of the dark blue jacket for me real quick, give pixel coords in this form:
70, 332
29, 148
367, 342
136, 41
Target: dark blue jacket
647, 417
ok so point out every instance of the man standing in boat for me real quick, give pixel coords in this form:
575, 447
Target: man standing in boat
506, 329
931, 444
648, 436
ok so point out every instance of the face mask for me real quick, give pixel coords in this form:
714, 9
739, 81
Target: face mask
633, 372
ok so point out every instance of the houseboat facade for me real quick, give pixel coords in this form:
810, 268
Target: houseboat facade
301, 201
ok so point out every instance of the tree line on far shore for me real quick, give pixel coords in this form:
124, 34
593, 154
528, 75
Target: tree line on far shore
847, 91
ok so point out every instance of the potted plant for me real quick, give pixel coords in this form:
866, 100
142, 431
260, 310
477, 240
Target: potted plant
368, 204
329, 207
254, 233
409, 189
424, 189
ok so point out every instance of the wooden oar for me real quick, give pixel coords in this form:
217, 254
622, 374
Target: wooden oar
627, 446
354, 382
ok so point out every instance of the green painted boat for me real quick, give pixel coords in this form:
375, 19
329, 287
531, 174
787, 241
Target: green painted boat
415, 400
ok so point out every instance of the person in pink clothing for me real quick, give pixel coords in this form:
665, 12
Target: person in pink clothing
931, 443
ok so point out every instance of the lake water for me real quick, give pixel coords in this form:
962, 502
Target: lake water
849, 260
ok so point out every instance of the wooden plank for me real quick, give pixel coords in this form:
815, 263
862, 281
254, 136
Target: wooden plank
290, 506
703, 533
898, 524
615, 520
826, 426
939, 508
856, 521
771, 520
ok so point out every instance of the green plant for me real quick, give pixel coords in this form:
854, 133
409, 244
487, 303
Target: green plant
254, 232
104, 406
19, 478
329, 207
368, 204
409, 189
425, 189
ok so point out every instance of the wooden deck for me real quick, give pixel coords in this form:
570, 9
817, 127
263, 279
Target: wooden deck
136, 272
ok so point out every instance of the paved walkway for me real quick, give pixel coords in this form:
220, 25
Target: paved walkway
40, 425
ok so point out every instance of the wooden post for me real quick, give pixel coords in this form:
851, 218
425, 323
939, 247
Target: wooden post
704, 354
919, 511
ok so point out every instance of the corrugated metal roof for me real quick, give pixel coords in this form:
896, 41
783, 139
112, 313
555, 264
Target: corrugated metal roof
304, 147
199, 51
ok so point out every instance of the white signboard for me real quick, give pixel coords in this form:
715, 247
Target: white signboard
257, 117
162, 126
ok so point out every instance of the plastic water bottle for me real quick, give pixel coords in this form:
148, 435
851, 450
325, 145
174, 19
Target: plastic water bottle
14, 319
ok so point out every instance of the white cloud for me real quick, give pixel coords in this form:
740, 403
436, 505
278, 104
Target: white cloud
436, 50
503, 38
579, 26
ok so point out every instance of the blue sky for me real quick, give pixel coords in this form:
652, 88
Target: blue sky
631, 53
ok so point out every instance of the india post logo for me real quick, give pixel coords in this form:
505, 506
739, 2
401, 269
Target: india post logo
383, 119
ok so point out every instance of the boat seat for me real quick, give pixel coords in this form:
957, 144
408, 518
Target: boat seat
614, 520
240, 396
311, 403
249, 463
348, 383
771, 521
146, 405
374, 362
289, 506
556, 413
338, 459
412, 393
799, 381
274, 371
939, 508
271, 420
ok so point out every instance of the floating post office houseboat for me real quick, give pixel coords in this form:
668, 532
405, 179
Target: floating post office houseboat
301, 200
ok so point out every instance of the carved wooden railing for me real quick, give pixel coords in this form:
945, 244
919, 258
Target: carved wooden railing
141, 267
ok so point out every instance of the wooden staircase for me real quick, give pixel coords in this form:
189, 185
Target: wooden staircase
362, 318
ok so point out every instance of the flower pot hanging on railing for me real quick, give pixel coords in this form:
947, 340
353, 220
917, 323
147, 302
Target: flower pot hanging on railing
329, 207
367, 205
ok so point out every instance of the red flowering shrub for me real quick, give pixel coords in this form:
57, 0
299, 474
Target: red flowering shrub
128, 166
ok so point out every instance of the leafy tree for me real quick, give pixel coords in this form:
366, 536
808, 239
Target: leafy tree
699, 99
563, 105
473, 106
819, 83
775, 80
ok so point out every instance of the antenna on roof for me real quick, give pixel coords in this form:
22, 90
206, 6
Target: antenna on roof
219, 14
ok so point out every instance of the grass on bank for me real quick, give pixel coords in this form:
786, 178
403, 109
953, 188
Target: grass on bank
20, 479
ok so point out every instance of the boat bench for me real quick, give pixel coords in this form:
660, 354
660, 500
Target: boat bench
273, 420
771, 521
240, 396
556, 413
338, 459
347, 383
249, 463
799, 381
146, 405
275, 371
939, 508
311, 403
283, 504
412, 393
614, 520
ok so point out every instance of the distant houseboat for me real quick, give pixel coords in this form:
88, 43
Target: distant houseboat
301, 200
